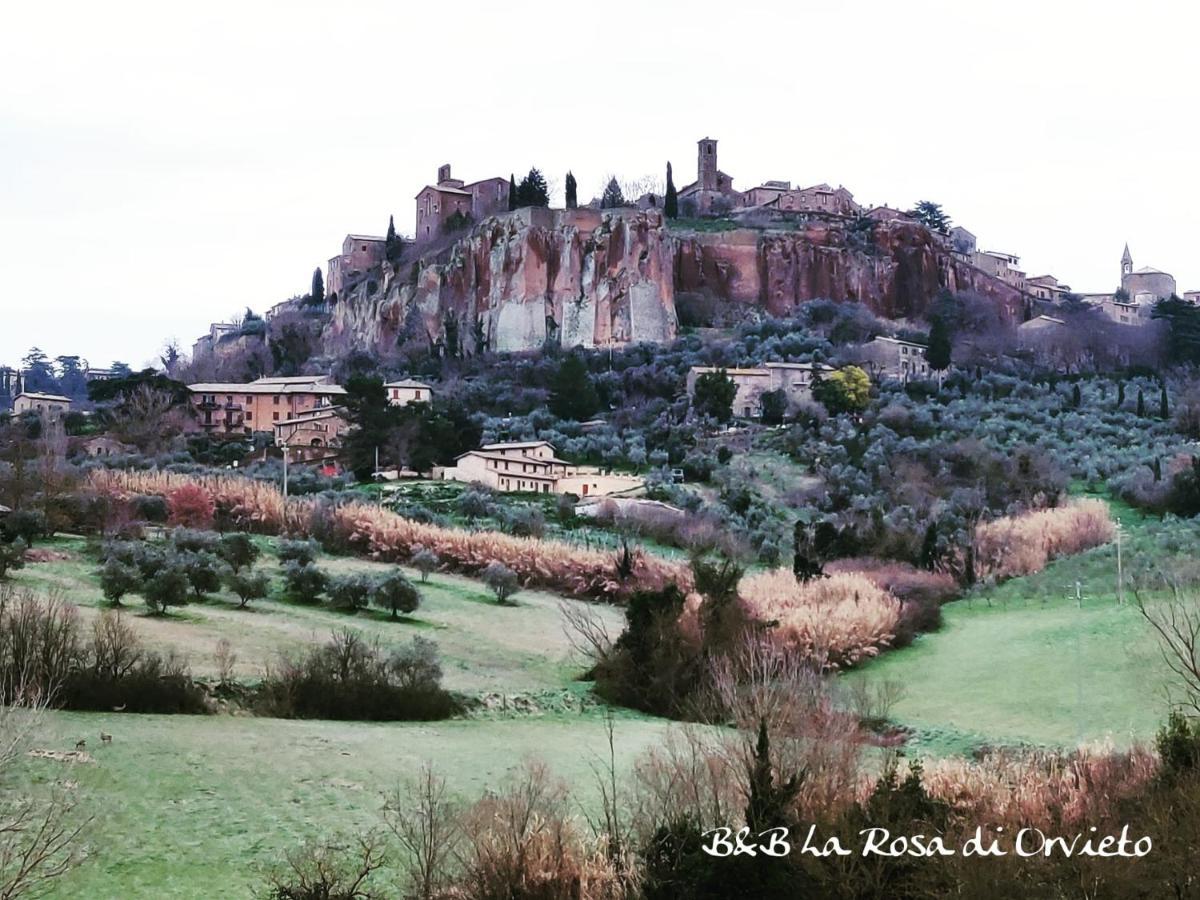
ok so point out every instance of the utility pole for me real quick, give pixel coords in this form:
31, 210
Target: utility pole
285, 472
1120, 571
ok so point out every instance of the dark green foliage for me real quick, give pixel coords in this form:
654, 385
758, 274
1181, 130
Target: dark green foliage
395, 593
512, 192
572, 395
1182, 331
301, 552
317, 294
716, 580
931, 215
671, 199
1184, 499
572, 192
1120, 394
304, 583
774, 406
813, 545
771, 803
1141, 404
202, 570
12, 556
194, 540
532, 190
393, 246
167, 587
117, 579
1076, 397
1164, 408
28, 525
349, 678
612, 196
713, 395
940, 349
1178, 745
237, 550
247, 585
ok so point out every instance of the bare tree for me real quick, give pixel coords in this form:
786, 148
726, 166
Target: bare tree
424, 821
333, 869
1175, 619
41, 831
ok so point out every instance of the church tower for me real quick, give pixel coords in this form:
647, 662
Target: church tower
1126, 265
706, 165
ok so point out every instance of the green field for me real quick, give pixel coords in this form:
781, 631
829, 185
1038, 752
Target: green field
1025, 663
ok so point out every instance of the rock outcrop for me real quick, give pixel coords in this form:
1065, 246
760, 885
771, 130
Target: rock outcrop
596, 278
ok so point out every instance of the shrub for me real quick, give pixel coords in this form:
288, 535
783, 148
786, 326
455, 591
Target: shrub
1024, 544
350, 592
166, 588
501, 580
237, 550
247, 585
151, 508
833, 622
28, 525
348, 678
118, 579
424, 561
191, 506
415, 666
190, 540
12, 556
300, 552
202, 570
304, 583
395, 593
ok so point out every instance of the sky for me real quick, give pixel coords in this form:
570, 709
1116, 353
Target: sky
163, 165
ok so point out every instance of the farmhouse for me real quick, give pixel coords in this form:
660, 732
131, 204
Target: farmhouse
235, 410
534, 466
406, 391
889, 357
50, 406
320, 427
794, 379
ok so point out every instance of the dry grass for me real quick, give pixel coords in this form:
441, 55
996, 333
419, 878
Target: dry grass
833, 622
1024, 544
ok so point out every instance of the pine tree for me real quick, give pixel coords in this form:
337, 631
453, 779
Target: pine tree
532, 191
512, 192
940, 349
572, 199
318, 288
572, 394
1164, 409
769, 804
671, 200
612, 197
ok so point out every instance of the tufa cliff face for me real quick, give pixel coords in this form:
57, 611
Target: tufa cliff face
595, 278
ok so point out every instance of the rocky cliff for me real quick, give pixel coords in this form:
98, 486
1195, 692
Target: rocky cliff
592, 278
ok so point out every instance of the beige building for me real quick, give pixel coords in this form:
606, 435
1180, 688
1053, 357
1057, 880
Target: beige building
406, 391
713, 189
229, 410
360, 253
534, 466
105, 445
321, 427
1047, 287
50, 406
794, 379
889, 357
1000, 265
1038, 330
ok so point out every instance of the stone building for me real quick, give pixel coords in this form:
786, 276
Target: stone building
794, 379
406, 391
437, 203
319, 427
47, 406
1004, 266
889, 357
1039, 329
105, 445
237, 410
962, 241
712, 191
1147, 284
360, 253
533, 466
1047, 287
206, 344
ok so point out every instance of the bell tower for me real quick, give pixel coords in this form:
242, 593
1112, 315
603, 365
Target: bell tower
1126, 265
706, 164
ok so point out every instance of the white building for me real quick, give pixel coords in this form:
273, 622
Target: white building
406, 391
534, 466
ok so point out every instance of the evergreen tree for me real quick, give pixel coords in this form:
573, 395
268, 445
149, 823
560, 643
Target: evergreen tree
929, 548
572, 394
1164, 409
572, 199
318, 287
1120, 394
612, 197
532, 191
1141, 404
512, 192
940, 348
1156, 468
392, 243
769, 805
671, 200
1076, 397
713, 395
931, 215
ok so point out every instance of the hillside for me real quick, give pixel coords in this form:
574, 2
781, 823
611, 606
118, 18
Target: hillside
600, 277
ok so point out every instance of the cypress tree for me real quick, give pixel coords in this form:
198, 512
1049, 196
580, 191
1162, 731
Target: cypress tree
938, 353
1156, 468
1141, 404
1164, 409
1120, 394
572, 200
391, 244
671, 199
512, 192
1076, 397
318, 287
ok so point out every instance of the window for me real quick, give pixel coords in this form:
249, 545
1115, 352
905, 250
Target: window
249, 416
274, 417
276, 399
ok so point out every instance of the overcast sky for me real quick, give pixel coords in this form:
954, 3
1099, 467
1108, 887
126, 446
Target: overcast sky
163, 166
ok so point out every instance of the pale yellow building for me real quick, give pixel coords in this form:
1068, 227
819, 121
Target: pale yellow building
322, 427
240, 409
51, 406
534, 466
794, 379
406, 391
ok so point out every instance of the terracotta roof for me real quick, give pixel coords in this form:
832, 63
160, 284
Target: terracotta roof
324, 412
408, 382
33, 395
443, 190
254, 388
